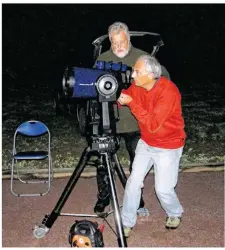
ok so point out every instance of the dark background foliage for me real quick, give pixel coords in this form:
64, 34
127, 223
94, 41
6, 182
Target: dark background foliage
39, 39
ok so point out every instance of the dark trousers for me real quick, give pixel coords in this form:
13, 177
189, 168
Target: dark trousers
131, 140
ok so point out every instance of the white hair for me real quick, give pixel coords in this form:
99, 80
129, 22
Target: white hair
152, 65
117, 27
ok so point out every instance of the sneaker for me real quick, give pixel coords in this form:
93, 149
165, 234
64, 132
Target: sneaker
100, 206
142, 211
127, 231
172, 222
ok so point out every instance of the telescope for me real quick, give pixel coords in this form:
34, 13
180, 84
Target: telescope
104, 82
101, 86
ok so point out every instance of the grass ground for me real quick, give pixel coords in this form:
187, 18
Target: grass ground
204, 114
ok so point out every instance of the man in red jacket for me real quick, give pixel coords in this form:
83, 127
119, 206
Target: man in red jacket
155, 101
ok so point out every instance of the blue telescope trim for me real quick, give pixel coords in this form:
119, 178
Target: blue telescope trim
111, 66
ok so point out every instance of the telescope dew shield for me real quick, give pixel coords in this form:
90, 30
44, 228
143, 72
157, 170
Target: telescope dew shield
85, 80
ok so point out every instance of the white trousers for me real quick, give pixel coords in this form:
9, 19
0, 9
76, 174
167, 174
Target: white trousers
166, 168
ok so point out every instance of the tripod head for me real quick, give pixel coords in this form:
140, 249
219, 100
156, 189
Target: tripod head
101, 144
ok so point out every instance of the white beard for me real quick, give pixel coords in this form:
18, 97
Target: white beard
121, 54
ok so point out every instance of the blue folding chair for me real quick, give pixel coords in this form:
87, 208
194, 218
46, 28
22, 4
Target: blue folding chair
32, 129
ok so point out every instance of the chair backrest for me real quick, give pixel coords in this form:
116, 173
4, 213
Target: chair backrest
32, 128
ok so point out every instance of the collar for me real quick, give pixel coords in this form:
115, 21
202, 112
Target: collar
157, 80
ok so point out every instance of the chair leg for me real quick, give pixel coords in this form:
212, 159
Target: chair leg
12, 178
18, 174
27, 182
47, 182
52, 173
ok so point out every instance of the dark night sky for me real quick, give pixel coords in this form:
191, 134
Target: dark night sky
39, 39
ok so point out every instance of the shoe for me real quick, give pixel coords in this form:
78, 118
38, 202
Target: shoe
127, 231
172, 222
142, 211
100, 206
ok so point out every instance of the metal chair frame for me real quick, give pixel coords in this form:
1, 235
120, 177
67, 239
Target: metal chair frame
31, 129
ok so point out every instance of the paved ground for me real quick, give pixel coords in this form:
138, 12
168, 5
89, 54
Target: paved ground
201, 194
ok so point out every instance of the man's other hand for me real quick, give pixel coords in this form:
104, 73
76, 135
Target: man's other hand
124, 99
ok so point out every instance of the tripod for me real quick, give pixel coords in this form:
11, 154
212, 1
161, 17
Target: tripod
104, 148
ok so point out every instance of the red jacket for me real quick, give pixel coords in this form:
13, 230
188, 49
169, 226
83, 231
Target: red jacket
159, 114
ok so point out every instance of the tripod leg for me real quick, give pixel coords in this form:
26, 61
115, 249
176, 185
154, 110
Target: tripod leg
49, 220
142, 211
118, 221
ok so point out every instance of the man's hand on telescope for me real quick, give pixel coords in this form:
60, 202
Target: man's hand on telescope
124, 99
